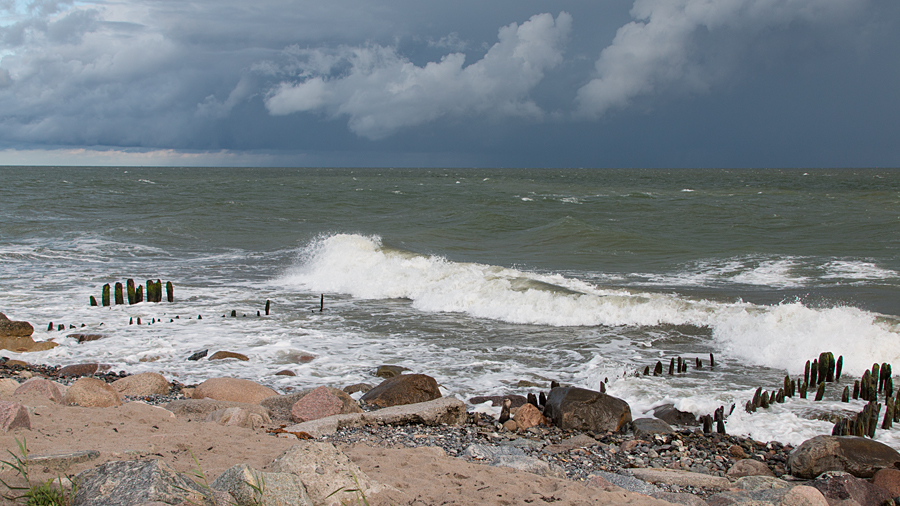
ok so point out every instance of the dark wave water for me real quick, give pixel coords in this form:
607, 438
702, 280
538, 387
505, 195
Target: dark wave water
480, 277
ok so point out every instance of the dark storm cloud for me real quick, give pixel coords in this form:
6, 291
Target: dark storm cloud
406, 82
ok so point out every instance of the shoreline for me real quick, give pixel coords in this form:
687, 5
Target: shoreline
591, 462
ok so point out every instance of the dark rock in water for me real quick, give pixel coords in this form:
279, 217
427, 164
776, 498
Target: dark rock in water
357, 387
646, 428
83, 338
669, 414
79, 370
389, 371
221, 355
285, 372
858, 456
842, 488
197, 356
125, 483
582, 409
403, 389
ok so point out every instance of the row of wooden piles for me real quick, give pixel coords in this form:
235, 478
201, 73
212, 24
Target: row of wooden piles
874, 382
677, 365
135, 294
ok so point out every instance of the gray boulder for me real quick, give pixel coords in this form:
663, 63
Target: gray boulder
572, 408
250, 487
646, 428
673, 416
859, 456
130, 482
838, 486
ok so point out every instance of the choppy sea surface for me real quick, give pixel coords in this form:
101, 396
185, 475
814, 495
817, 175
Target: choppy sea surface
481, 278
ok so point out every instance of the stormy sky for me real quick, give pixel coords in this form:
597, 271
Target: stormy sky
498, 83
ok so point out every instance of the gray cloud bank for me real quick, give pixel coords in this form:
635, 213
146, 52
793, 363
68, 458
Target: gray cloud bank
506, 79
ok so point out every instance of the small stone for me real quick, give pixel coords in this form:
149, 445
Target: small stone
528, 416
79, 370
357, 387
737, 452
389, 371
749, 467
510, 425
285, 372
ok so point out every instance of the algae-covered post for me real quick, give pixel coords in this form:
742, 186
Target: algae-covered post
93, 301
820, 391
837, 368
158, 291
129, 288
105, 295
845, 396
120, 299
170, 291
139, 294
806, 373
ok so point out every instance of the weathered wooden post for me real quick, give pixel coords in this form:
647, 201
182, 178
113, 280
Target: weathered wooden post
322, 303
712, 360
698, 363
158, 291
129, 288
829, 372
876, 375
657, 371
170, 291
838, 367
105, 295
139, 294
806, 373
888, 414
803, 388
820, 391
120, 299
672, 366
93, 301
845, 397
787, 385
268, 303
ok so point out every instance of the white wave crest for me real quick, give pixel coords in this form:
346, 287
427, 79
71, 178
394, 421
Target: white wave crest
781, 336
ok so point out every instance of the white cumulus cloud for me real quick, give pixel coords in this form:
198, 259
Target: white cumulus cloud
381, 91
658, 51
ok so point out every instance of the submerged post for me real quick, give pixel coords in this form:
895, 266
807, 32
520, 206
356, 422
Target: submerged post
170, 291
120, 299
322, 303
129, 288
105, 295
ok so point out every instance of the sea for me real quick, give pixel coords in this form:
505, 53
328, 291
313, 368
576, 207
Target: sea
492, 281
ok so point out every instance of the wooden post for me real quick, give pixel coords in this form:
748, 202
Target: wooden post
93, 301
129, 288
657, 371
838, 367
105, 295
170, 291
158, 291
820, 391
814, 373
322, 303
268, 303
712, 360
845, 397
139, 294
806, 373
120, 299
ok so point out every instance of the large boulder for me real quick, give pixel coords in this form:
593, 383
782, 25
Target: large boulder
237, 417
403, 389
674, 416
233, 389
200, 409
10, 328
646, 428
92, 393
573, 408
126, 483
43, 387
281, 405
317, 404
250, 487
16, 336
330, 476
859, 456
144, 384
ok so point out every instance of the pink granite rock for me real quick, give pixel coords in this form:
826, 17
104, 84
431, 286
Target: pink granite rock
13, 416
41, 386
233, 389
92, 393
317, 404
